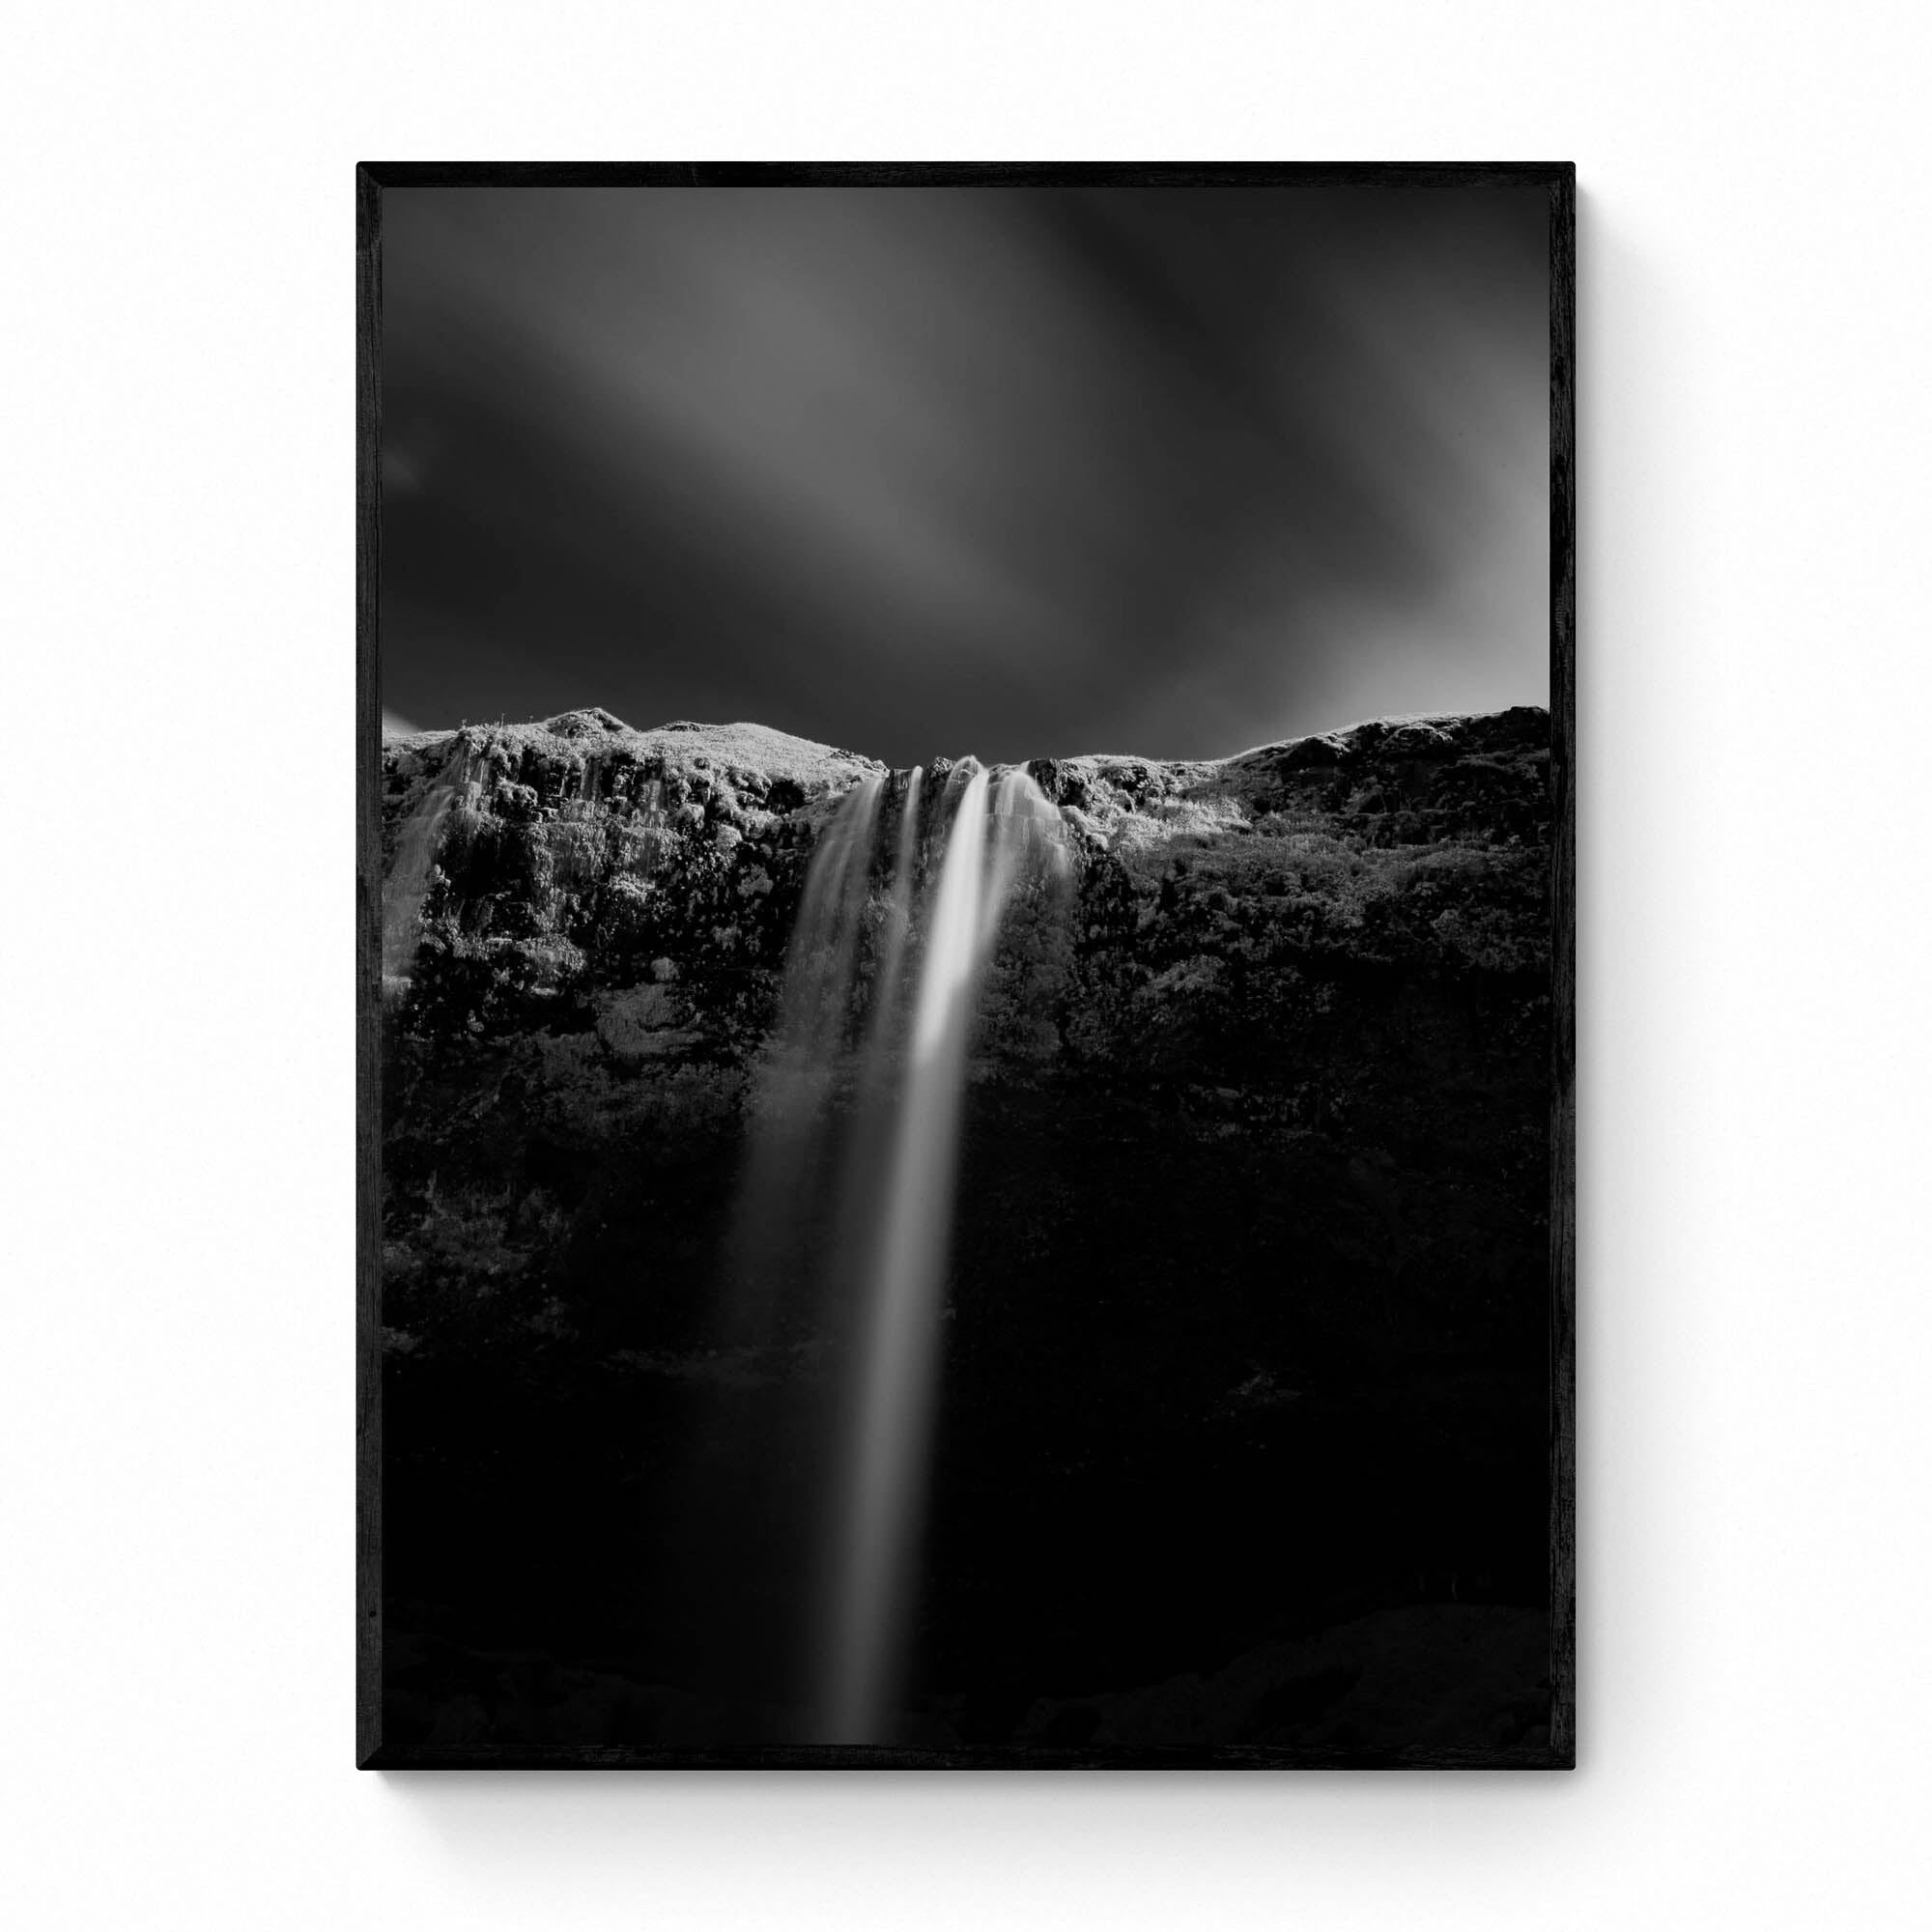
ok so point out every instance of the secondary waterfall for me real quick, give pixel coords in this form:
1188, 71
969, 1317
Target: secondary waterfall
898, 922
789, 1159
743, 1549
408, 879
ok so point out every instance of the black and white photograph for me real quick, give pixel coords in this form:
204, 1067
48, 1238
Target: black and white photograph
968, 1033
978, 910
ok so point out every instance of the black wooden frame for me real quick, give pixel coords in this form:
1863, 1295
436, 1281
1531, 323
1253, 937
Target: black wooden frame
1558, 179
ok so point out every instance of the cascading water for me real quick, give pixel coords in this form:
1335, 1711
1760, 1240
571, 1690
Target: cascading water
795, 1084
841, 1234
408, 879
876, 1518
898, 922
852, 1257
825, 942
743, 1542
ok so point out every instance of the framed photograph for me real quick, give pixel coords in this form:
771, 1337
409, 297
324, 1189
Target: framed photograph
965, 965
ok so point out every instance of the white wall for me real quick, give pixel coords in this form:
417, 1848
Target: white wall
175, 1728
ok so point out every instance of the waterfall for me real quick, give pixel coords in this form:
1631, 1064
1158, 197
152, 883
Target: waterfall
746, 1519
794, 1086
882, 1483
853, 1253
819, 968
898, 922
807, 1501
408, 880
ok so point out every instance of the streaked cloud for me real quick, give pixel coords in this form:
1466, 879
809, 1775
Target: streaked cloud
1009, 471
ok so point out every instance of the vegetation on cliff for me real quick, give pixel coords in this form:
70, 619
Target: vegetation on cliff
1255, 1179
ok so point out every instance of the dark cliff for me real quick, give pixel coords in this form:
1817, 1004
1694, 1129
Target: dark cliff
1245, 1340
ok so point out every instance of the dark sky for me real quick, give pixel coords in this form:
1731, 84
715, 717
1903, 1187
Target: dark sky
1014, 471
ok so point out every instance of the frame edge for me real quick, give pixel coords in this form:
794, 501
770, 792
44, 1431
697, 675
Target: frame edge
368, 972
1563, 967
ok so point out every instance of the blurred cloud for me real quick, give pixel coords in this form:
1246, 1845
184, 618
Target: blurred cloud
1009, 471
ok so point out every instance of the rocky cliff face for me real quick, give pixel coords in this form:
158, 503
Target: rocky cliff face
1245, 1329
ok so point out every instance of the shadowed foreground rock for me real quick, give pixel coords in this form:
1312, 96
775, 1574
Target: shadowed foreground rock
1245, 1383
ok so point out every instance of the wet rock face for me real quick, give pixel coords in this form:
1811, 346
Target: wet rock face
580, 853
1254, 1179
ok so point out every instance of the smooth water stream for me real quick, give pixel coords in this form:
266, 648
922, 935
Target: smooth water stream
882, 1483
